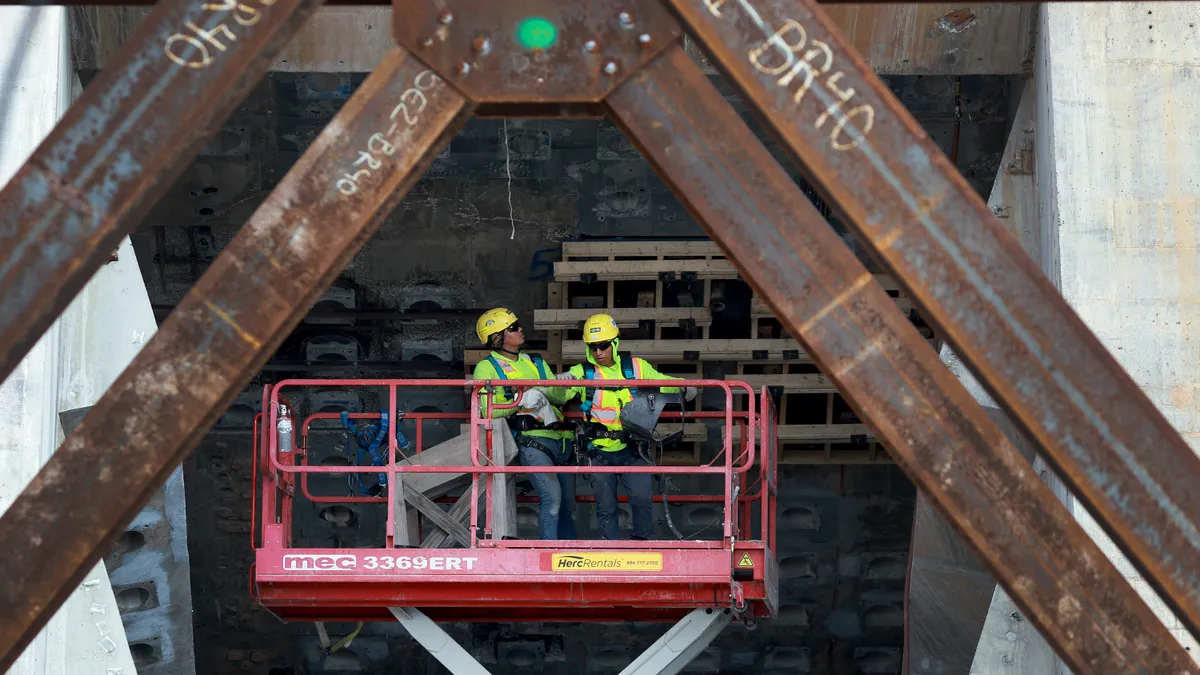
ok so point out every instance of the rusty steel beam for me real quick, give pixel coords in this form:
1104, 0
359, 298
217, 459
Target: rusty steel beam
858, 336
121, 146
970, 278
388, 3
256, 291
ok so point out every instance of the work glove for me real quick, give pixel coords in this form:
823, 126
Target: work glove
532, 399
566, 375
535, 401
689, 393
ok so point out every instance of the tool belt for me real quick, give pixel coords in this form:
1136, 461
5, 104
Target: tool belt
523, 423
595, 430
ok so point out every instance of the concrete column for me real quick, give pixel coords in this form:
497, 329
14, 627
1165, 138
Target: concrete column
144, 627
1008, 643
1118, 185
86, 636
1115, 99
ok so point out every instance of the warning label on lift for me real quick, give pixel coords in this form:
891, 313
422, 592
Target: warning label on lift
745, 561
606, 562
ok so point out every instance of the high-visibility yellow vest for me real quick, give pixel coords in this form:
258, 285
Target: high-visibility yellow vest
606, 404
522, 368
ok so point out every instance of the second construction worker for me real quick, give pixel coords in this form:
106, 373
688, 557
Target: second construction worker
542, 438
603, 406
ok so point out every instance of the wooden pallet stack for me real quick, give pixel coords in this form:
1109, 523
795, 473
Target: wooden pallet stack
661, 294
816, 425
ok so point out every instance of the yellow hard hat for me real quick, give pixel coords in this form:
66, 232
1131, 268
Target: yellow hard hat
494, 321
599, 328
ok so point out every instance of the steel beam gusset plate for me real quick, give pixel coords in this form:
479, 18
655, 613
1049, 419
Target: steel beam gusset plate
583, 49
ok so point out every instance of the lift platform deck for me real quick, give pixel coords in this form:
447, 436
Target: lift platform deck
506, 579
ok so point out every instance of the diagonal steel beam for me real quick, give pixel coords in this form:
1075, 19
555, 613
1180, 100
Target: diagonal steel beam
256, 291
918, 216
122, 145
933, 428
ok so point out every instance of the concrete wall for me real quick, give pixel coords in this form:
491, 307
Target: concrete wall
1118, 163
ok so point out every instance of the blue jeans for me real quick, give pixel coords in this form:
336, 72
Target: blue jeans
556, 517
639, 487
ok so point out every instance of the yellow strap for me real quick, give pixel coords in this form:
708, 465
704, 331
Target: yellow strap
346, 640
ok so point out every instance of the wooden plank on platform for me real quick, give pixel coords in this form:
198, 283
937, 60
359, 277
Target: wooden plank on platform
648, 270
817, 433
707, 350
446, 522
460, 512
640, 249
795, 456
626, 317
790, 383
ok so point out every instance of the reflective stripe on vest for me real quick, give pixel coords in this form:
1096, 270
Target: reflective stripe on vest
606, 404
506, 370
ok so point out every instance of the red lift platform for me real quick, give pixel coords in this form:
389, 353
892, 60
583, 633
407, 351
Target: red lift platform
730, 577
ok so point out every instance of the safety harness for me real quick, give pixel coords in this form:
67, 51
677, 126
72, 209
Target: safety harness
595, 430
367, 438
589, 373
500, 374
519, 424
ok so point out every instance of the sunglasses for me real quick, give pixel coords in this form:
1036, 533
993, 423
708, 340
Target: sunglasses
600, 346
514, 328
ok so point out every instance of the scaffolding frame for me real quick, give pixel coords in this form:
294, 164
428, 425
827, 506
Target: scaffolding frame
121, 145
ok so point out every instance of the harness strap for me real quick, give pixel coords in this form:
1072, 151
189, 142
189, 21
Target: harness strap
502, 375
589, 373
369, 439
511, 394
561, 455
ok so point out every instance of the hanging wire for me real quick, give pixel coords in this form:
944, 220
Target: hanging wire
508, 171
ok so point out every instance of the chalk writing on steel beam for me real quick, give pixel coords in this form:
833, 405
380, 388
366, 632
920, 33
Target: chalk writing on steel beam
379, 147
208, 43
782, 54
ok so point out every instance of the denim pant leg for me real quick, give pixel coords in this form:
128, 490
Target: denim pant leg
640, 488
548, 491
604, 485
566, 511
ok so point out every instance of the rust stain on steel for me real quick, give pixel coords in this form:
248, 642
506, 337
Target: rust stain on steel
218, 337
386, 3
924, 415
970, 278
121, 145
472, 43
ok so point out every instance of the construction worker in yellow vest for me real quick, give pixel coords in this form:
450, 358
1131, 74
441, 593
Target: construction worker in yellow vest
603, 406
543, 439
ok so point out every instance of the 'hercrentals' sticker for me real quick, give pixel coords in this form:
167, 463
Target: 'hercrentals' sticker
606, 562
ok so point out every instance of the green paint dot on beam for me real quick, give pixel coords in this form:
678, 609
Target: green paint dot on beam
536, 33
